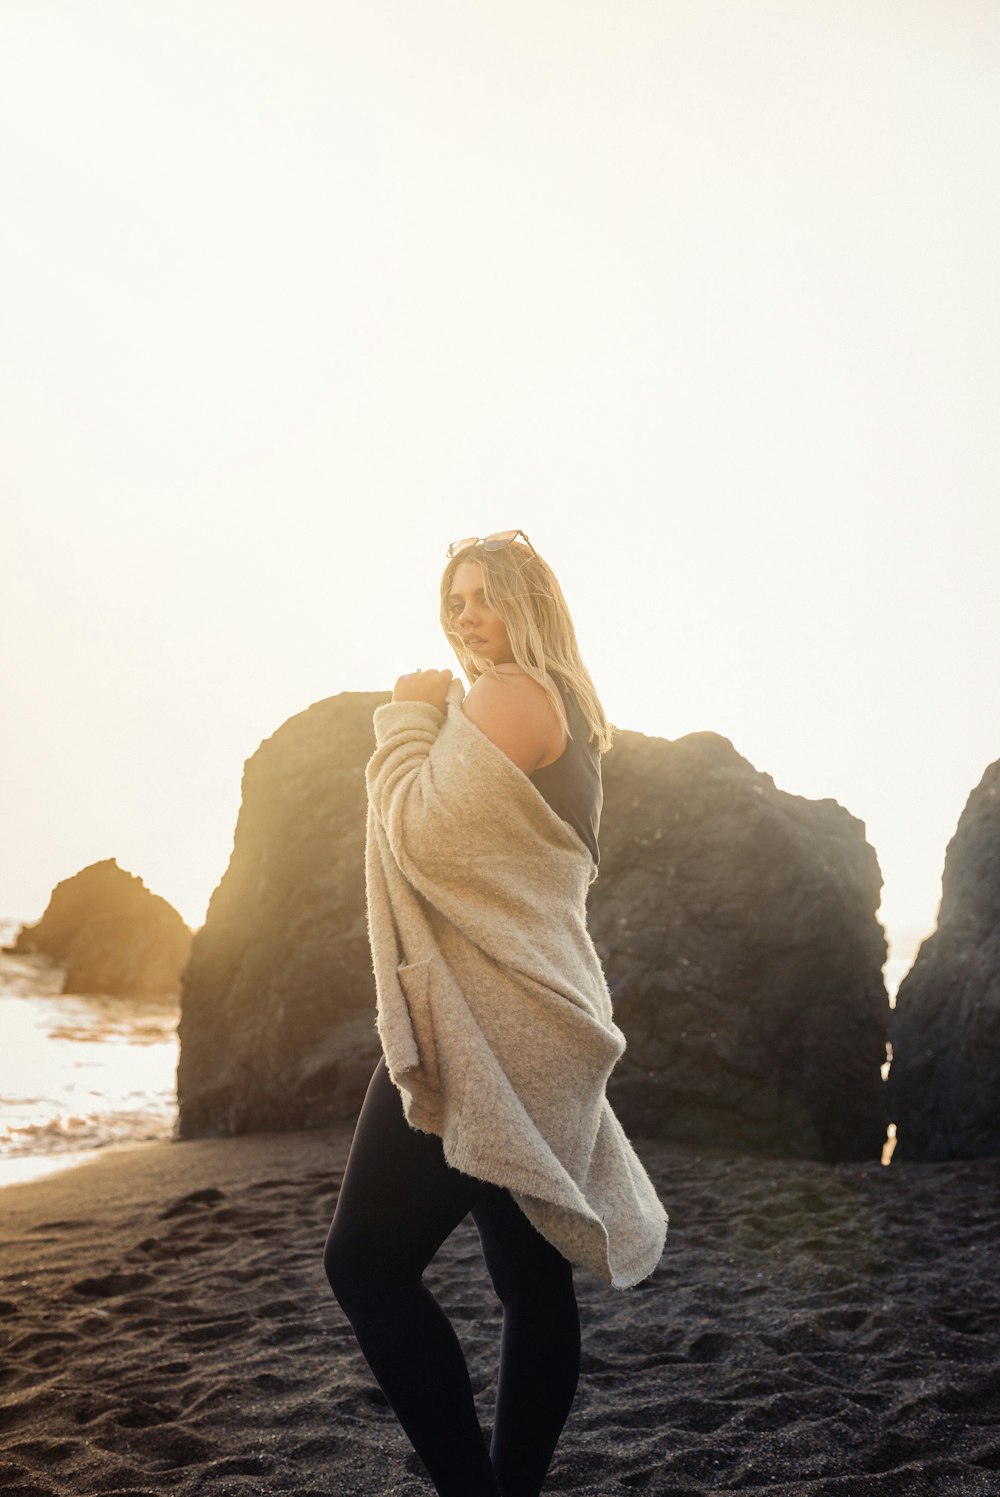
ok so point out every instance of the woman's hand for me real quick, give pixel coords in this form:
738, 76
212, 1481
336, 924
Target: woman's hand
423, 686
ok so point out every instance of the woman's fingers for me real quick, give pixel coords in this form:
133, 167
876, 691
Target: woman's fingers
423, 686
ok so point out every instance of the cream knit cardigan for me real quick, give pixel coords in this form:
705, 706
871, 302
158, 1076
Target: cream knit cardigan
492, 1008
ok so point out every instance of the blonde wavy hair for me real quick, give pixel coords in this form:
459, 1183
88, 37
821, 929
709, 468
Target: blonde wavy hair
522, 589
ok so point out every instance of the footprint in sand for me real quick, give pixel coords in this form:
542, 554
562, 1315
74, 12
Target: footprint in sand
152, 1249
35, 1339
70, 1224
709, 1347
195, 1200
215, 1330
108, 1285
91, 1406
274, 1309
161, 1446
25, 1410
140, 1413
967, 1321
17, 1481
988, 1457
44, 1452
269, 1382
235, 1465
285, 1335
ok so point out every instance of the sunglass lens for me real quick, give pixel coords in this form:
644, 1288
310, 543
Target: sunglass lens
499, 539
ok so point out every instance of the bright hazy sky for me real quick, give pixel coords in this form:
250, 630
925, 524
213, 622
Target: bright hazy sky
701, 295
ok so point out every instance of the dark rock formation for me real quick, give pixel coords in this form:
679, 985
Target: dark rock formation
944, 1086
111, 934
736, 924
737, 928
278, 1008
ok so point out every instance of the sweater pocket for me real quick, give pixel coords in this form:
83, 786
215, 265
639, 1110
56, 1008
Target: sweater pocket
415, 981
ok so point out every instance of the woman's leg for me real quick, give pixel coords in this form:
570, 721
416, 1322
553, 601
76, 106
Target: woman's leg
540, 1346
398, 1202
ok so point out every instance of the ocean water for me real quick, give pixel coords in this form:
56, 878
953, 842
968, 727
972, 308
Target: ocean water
77, 1074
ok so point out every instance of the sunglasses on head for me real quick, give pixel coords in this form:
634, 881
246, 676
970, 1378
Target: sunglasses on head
498, 541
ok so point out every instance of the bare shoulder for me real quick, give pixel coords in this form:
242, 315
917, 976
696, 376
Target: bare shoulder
515, 713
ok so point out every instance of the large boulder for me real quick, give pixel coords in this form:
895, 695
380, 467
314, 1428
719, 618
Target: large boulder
737, 928
944, 1085
278, 1006
111, 934
736, 924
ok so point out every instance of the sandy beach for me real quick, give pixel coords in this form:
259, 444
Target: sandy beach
810, 1331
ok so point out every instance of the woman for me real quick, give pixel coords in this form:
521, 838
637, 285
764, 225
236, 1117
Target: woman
496, 1030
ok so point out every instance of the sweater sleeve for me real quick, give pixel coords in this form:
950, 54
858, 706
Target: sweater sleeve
400, 775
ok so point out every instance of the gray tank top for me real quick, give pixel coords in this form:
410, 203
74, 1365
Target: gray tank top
572, 784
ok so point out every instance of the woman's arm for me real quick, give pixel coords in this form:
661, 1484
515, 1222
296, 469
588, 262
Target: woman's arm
515, 713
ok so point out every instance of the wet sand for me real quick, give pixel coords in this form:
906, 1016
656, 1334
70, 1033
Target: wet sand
165, 1326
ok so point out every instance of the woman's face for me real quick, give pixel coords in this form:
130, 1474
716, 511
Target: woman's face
470, 616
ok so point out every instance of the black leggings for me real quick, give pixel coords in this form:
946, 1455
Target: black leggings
398, 1202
